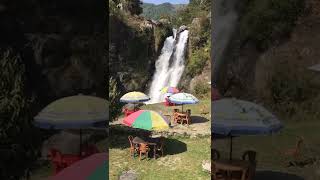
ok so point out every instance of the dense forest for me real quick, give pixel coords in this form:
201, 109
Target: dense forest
156, 12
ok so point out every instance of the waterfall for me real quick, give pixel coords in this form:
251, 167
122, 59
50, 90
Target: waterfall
225, 17
169, 65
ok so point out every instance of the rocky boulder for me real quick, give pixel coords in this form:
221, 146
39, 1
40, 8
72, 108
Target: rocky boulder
128, 175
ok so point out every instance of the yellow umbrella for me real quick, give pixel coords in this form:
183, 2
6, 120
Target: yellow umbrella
134, 97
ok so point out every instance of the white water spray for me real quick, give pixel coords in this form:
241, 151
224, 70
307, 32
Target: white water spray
169, 65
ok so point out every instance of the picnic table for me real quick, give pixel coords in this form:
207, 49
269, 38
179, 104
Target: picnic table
150, 141
232, 166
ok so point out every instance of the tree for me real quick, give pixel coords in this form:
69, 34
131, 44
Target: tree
18, 138
114, 96
132, 6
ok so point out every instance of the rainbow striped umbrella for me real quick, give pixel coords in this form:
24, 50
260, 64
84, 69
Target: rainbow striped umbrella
134, 97
171, 90
148, 120
94, 167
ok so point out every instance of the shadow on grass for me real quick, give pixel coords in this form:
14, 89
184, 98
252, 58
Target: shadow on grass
198, 119
119, 139
174, 146
118, 136
268, 175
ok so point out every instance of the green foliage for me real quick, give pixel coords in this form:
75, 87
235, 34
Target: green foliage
196, 8
197, 61
290, 91
265, 21
196, 15
114, 96
202, 89
152, 11
129, 6
19, 140
132, 6
160, 34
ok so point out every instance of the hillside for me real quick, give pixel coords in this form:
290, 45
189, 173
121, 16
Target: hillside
152, 11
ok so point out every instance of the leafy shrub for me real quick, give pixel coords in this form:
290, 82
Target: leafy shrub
266, 20
114, 96
197, 61
288, 90
201, 89
20, 141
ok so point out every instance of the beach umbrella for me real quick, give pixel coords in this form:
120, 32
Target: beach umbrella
134, 97
171, 90
74, 112
93, 167
183, 98
131, 106
147, 120
233, 117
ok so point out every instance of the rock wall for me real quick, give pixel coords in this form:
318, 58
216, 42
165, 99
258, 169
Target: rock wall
62, 43
134, 45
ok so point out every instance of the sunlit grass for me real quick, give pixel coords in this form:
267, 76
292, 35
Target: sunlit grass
183, 165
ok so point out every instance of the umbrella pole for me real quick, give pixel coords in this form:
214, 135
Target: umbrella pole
230, 148
80, 148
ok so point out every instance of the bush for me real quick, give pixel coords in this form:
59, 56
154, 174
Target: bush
267, 20
197, 61
114, 96
20, 141
202, 89
287, 89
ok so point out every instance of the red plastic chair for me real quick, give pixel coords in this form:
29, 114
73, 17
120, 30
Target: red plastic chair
127, 112
61, 161
55, 157
168, 103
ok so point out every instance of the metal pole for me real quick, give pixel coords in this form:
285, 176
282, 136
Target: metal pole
80, 148
230, 147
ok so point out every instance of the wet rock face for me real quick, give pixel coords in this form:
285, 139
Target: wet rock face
69, 65
182, 28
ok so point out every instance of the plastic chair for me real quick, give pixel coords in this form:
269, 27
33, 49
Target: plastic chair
133, 148
217, 175
160, 147
143, 149
251, 157
55, 157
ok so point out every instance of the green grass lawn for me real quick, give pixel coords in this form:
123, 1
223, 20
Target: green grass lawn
182, 160
183, 156
270, 149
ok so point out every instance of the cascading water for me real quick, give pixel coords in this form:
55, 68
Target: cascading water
225, 18
169, 65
